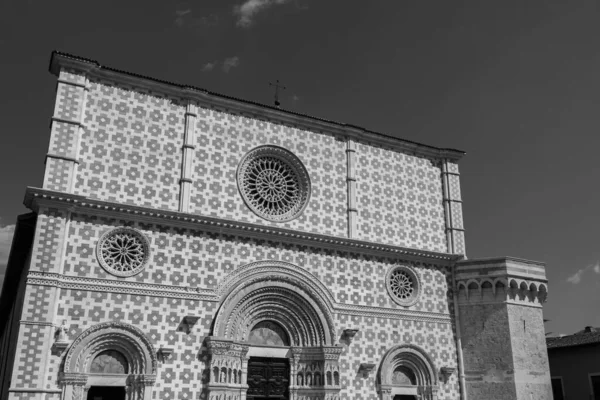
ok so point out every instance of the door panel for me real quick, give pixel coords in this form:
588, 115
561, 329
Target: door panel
268, 378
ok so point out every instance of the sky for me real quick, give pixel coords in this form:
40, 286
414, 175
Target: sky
514, 84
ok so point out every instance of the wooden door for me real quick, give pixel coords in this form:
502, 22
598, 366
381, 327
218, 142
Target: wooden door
268, 378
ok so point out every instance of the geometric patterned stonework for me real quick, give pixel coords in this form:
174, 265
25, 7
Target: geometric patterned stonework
359, 278
399, 199
208, 268
222, 140
200, 259
131, 152
131, 147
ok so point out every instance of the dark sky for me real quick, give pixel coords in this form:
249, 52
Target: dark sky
514, 83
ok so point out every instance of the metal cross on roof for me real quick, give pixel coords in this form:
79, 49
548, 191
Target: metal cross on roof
277, 87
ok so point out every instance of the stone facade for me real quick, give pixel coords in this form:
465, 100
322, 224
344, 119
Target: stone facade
145, 251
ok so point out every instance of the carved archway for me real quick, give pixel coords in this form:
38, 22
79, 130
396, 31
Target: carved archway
293, 300
407, 370
130, 342
280, 292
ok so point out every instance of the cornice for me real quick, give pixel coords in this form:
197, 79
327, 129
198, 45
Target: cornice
120, 286
218, 101
35, 197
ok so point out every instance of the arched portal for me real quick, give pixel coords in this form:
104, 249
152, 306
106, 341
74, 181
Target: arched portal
274, 309
406, 372
110, 355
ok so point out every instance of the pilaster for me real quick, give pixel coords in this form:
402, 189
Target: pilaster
455, 232
67, 126
351, 183
188, 150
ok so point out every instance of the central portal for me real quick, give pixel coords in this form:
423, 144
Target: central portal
268, 378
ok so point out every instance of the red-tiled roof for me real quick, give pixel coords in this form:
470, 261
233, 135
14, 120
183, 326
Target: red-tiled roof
589, 335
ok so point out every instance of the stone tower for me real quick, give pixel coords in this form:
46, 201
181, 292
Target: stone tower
502, 328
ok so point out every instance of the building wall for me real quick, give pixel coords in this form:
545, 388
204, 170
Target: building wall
529, 353
184, 258
573, 365
487, 351
127, 146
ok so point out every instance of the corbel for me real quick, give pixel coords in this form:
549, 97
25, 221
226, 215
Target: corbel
165, 353
349, 334
446, 373
365, 369
188, 322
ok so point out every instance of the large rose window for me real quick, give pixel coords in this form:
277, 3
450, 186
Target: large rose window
273, 183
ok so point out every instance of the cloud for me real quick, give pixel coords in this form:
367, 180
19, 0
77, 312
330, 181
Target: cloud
209, 66
576, 277
186, 18
246, 11
231, 62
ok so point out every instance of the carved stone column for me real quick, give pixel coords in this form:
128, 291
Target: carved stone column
228, 366
74, 385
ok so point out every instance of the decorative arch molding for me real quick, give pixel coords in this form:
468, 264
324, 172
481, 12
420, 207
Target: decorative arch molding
299, 304
293, 298
417, 361
124, 338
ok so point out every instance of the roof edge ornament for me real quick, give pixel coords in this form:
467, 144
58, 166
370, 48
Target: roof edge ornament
247, 107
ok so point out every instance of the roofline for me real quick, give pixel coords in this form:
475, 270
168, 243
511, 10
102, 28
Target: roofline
501, 259
564, 346
208, 98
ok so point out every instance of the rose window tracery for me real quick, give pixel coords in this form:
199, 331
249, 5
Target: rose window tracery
123, 251
403, 285
273, 183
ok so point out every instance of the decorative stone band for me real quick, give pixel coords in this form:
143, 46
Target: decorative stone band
189, 293
70, 378
506, 279
36, 198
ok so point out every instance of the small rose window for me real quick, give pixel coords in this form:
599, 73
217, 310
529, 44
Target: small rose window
403, 285
123, 251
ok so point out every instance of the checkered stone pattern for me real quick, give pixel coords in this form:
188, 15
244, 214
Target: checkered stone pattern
131, 147
399, 199
37, 306
454, 186
71, 75
58, 175
63, 139
160, 319
29, 356
69, 100
49, 239
222, 139
193, 258
377, 335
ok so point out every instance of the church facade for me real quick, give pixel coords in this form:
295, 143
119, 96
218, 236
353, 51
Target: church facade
188, 245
